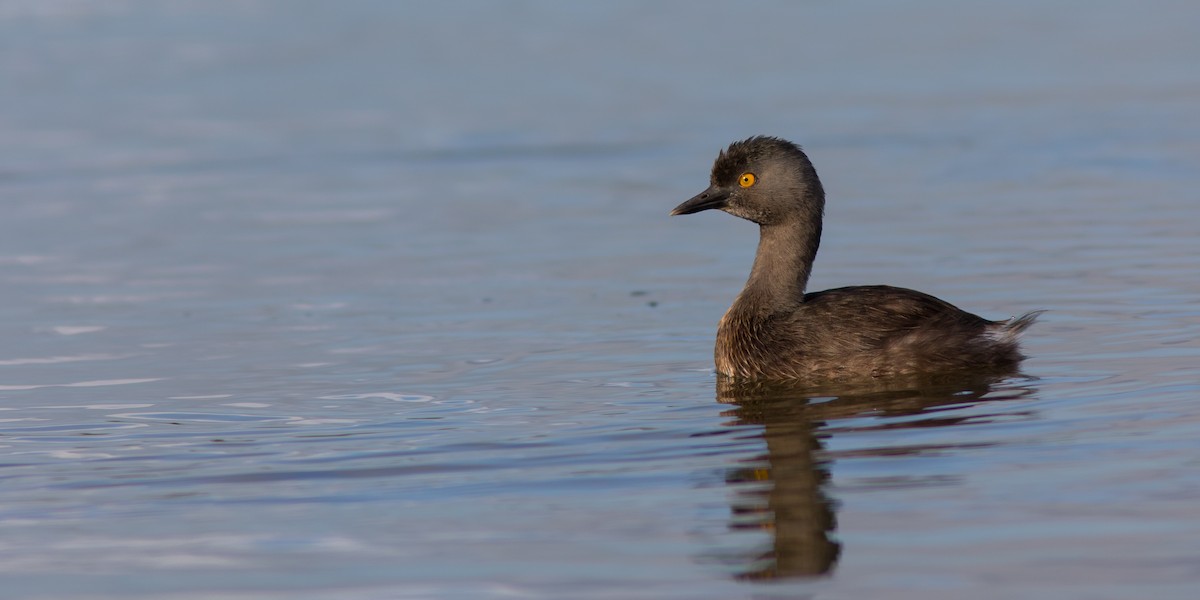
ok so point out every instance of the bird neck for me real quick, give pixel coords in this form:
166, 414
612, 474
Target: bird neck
783, 264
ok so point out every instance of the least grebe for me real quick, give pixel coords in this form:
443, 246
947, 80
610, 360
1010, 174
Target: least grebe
774, 330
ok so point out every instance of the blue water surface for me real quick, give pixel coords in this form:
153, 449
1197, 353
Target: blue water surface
380, 300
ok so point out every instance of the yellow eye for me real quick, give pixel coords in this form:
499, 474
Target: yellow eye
746, 180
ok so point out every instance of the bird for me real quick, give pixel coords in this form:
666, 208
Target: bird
776, 330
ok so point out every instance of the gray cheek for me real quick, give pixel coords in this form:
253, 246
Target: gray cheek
750, 213
737, 210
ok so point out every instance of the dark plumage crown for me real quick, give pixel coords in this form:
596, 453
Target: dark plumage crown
732, 161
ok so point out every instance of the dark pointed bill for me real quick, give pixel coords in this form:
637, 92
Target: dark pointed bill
713, 197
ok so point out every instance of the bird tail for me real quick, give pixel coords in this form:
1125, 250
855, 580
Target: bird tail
1011, 328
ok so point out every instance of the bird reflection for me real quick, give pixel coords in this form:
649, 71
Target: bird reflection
790, 501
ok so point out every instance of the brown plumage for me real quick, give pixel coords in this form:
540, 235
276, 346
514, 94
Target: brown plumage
774, 330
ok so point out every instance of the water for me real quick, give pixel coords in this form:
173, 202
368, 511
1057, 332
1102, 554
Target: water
380, 300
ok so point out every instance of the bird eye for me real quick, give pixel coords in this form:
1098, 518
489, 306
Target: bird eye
747, 180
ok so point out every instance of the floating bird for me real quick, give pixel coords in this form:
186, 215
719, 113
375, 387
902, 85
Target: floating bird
774, 330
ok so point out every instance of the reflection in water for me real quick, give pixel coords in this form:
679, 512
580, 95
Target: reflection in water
792, 505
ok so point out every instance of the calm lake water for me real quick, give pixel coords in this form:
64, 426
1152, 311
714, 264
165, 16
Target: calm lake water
381, 300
